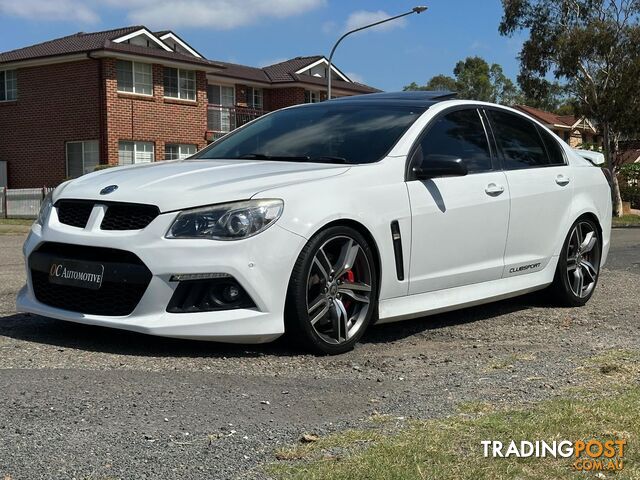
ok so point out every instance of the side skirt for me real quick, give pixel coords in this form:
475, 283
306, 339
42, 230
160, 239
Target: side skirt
431, 303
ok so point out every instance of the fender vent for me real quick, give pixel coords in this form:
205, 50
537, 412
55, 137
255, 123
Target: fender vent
397, 249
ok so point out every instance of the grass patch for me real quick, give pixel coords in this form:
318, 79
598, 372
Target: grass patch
16, 221
626, 220
14, 226
450, 448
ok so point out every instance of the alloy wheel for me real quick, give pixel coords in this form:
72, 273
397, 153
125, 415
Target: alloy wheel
583, 259
339, 289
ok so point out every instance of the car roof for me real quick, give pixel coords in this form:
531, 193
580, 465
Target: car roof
424, 99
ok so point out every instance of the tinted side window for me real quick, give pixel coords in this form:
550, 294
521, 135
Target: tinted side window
459, 134
554, 150
519, 141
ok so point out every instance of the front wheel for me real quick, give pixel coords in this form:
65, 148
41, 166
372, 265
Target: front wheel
333, 291
579, 264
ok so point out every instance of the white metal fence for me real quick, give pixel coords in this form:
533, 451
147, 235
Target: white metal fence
21, 202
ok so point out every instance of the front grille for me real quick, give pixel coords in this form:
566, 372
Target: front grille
125, 280
128, 216
119, 216
74, 213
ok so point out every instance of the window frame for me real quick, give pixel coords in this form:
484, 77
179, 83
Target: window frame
495, 164
251, 103
15, 81
179, 76
133, 78
66, 155
311, 94
135, 152
537, 128
179, 145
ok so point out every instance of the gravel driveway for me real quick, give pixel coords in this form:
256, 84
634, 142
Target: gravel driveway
87, 402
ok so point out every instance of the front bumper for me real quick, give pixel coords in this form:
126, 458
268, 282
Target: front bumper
261, 264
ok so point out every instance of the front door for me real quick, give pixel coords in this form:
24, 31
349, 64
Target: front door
459, 224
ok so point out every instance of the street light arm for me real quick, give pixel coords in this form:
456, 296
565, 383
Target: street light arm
335, 45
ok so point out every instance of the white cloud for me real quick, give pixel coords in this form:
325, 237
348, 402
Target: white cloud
329, 27
48, 10
213, 14
355, 77
361, 18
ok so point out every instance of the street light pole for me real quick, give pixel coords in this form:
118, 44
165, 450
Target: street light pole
413, 10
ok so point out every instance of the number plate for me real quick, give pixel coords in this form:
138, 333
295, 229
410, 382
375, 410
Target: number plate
76, 274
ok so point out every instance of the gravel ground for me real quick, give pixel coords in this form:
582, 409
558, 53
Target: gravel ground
91, 403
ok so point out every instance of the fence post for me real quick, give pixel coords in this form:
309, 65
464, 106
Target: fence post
5, 202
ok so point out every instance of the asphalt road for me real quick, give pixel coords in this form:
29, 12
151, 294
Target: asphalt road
91, 403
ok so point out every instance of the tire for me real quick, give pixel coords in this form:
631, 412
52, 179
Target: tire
580, 257
332, 293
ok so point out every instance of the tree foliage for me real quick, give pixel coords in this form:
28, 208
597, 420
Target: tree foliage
475, 79
593, 46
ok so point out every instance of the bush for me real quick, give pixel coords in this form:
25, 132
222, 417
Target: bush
629, 180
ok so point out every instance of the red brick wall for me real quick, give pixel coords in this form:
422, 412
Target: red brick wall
153, 118
56, 103
283, 97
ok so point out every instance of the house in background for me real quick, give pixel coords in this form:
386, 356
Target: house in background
577, 132
131, 95
629, 152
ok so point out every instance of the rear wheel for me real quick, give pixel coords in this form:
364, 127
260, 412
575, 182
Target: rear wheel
579, 264
333, 291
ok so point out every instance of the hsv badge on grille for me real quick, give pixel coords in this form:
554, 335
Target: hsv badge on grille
108, 190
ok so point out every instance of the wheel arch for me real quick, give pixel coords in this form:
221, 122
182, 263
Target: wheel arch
366, 233
593, 217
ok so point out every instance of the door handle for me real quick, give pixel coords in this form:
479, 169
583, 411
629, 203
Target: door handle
562, 180
494, 190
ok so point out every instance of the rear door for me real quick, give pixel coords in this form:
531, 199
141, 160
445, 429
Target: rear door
459, 224
540, 188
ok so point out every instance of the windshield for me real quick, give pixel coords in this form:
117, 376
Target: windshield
326, 132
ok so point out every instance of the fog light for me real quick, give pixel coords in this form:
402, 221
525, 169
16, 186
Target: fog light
231, 293
222, 293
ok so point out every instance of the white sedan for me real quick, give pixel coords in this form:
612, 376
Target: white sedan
320, 220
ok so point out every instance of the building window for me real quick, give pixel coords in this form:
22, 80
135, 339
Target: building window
134, 77
174, 151
254, 98
221, 95
135, 152
82, 157
8, 85
220, 115
311, 96
179, 83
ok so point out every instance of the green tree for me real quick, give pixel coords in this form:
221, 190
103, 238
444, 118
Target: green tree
475, 79
439, 83
594, 47
442, 83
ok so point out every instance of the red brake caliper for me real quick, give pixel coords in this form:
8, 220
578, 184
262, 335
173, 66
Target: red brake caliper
350, 278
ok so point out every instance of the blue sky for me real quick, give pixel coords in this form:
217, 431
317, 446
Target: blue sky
260, 32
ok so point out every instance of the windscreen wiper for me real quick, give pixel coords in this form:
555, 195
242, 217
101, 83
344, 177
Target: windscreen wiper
284, 158
328, 159
293, 158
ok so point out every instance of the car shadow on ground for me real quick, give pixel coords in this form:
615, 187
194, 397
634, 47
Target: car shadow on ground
33, 328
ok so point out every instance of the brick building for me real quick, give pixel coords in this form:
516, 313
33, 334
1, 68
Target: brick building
577, 132
131, 95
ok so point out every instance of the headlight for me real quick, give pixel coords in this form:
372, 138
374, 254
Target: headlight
45, 209
228, 221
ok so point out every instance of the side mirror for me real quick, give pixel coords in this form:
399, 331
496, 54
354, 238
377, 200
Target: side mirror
441, 168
